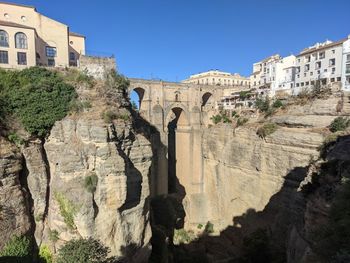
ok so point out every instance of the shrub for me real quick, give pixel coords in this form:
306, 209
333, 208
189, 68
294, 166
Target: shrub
262, 104
209, 228
109, 116
216, 118
83, 77
16, 139
45, 255
225, 119
37, 97
117, 81
183, 236
233, 113
267, 129
241, 121
53, 235
90, 183
243, 95
277, 104
19, 247
83, 251
67, 210
339, 124
79, 106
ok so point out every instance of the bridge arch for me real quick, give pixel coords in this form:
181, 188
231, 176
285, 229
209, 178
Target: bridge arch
207, 97
140, 92
179, 111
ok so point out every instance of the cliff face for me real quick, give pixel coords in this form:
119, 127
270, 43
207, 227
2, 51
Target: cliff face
14, 199
89, 178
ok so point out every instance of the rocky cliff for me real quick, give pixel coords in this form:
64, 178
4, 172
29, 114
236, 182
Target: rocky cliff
88, 178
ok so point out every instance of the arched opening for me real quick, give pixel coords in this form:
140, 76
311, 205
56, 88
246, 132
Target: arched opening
136, 97
206, 99
176, 142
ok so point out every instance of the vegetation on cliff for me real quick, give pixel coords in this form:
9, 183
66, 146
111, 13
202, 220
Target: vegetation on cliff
37, 97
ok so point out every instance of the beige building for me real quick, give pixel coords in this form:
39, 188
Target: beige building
219, 78
28, 38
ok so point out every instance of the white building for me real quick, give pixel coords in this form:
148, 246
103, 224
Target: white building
219, 78
320, 62
346, 65
264, 74
285, 76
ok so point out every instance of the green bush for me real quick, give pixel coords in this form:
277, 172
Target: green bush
36, 96
339, 124
67, 210
216, 118
241, 121
277, 104
83, 251
233, 114
262, 104
19, 247
90, 183
183, 236
267, 129
209, 228
16, 139
225, 119
45, 255
53, 235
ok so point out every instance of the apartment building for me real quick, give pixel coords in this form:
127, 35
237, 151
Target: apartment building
346, 65
28, 38
264, 72
320, 62
219, 78
285, 76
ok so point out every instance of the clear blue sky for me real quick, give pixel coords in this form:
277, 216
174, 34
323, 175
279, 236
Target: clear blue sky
171, 39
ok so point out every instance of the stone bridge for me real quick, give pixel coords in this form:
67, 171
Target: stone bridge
179, 111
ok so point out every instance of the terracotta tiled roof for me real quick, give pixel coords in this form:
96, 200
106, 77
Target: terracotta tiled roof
310, 50
11, 24
75, 34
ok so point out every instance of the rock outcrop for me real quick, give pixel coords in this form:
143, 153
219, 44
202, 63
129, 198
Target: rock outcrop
15, 216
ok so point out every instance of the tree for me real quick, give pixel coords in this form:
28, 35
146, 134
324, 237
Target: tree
84, 251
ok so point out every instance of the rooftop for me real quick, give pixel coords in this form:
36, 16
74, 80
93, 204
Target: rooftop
76, 34
321, 46
7, 3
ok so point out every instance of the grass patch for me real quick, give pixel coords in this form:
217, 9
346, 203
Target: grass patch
339, 124
19, 247
67, 209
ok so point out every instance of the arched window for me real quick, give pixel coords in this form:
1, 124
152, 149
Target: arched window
4, 39
21, 41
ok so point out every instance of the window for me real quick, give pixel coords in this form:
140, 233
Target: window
333, 51
4, 39
347, 69
51, 52
338, 78
297, 69
333, 70
4, 57
307, 59
304, 74
297, 85
318, 65
332, 62
348, 58
306, 83
332, 79
321, 55
302, 84
348, 80
51, 62
311, 73
22, 58
325, 70
21, 41
307, 67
